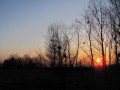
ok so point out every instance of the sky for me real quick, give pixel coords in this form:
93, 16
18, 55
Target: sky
24, 23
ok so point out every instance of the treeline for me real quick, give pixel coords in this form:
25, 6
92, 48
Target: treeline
25, 62
97, 34
14, 62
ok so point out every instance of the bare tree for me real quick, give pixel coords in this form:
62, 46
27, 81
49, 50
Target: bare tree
98, 11
88, 21
114, 18
57, 44
76, 27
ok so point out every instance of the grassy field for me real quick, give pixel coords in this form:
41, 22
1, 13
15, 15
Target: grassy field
60, 79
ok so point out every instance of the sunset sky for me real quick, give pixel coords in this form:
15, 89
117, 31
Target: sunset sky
24, 23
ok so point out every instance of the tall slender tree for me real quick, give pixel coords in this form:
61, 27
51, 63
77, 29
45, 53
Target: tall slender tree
97, 9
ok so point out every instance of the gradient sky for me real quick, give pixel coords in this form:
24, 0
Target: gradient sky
24, 23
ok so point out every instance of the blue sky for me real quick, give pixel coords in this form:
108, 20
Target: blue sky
24, 23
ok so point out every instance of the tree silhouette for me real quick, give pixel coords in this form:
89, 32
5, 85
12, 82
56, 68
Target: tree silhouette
114, 16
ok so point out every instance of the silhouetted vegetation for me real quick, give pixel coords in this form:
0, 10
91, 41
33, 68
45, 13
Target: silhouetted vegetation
63, 67
18, 73
96, 35
16, 62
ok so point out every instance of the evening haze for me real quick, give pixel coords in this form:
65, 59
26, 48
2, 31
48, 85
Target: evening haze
24, 23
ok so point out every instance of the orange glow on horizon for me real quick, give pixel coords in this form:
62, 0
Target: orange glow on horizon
98, 64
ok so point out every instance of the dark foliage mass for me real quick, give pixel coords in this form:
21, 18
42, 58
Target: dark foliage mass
27, 74
15, 62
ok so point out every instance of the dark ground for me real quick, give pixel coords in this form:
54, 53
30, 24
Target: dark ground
60, 79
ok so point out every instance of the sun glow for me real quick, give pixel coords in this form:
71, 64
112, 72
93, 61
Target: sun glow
98, 64
98, 60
